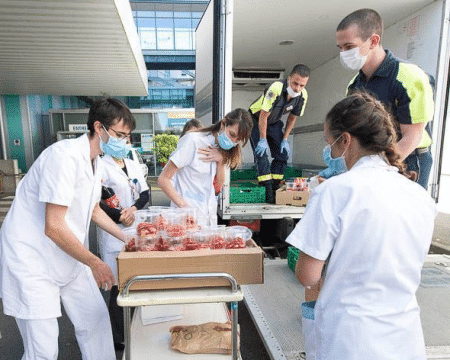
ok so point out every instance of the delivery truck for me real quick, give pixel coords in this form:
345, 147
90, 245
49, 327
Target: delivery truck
244, 45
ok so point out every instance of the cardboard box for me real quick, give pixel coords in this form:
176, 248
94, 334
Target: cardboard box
245, 265
290, 197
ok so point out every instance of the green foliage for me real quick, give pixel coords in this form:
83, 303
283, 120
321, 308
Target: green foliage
165, 144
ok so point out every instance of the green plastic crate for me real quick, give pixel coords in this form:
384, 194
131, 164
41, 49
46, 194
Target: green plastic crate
292, 257
292, 172
243, 174
248, 194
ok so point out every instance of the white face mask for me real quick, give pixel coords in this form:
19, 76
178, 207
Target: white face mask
292, 93
352, 59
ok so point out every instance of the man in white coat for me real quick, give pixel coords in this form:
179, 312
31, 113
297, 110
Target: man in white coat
44, 256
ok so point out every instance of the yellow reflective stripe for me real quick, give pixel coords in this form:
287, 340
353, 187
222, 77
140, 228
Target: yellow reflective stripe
256, 106
277, 176
421, 107
265, 102
265, 177
420, 93
305, 99
350, 83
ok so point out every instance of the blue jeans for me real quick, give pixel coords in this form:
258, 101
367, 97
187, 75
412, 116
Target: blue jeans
420, 163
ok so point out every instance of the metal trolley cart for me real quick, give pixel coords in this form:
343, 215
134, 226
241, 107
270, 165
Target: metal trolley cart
201, 302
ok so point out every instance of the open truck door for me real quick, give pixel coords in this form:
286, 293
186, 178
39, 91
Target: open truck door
440, 176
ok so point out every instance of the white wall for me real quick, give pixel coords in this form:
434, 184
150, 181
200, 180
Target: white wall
243, 99
327, 83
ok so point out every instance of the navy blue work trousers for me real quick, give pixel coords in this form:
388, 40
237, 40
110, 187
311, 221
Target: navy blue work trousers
274, 138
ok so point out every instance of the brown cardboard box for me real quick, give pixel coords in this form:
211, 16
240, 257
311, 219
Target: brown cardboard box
245, 265
290, 197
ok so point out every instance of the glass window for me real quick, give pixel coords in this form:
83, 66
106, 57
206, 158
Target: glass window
182, 23
164, 14
165, 39
197, 15
183, 39
164, 23
181, 14
146, 23
148, 39
142, 13
195, 23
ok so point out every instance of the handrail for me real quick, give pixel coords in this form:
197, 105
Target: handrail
231, 279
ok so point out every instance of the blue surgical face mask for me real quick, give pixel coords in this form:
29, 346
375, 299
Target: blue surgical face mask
336, 166
115, 147
225, 142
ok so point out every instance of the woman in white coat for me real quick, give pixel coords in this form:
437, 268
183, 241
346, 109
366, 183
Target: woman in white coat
199, 156
44, 256
126, 180
375, 225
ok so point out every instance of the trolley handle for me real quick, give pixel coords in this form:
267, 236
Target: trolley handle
231, 279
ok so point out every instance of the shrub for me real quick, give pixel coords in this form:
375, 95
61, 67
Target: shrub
165, 144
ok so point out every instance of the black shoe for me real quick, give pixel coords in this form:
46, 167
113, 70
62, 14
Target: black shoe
270, 196
119, 346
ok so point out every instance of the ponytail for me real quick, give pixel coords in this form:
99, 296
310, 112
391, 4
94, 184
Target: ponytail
366, 119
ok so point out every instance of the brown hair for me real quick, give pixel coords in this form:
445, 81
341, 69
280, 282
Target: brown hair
368, 22
301, 70
238, 116
191, 125
109, 111
365, 118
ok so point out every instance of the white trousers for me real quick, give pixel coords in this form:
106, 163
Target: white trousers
88, 312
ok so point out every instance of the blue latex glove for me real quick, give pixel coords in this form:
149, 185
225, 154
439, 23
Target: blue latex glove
327, 173
285, 147
262, 148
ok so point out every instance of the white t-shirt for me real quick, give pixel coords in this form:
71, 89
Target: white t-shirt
377, 225
194, 178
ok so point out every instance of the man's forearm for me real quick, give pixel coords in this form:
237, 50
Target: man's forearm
290, 123
411, 136
262, 124
106, 223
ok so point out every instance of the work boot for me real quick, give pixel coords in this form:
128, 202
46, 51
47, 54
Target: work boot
270, 196
276, 184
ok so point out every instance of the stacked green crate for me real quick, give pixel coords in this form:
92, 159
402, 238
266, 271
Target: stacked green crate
243, 174
292, 257
247, 193
292, 172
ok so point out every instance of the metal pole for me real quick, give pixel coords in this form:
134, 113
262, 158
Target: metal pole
127, 332
234, 313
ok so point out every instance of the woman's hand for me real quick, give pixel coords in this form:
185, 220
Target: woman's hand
127, 216
211, 154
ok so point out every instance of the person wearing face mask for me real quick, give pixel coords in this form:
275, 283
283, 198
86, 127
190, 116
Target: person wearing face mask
125, 179
44, 255
373, 226
404, 88
279, 98
199, 156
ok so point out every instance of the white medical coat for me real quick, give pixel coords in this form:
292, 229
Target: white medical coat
194, 178
115, 178
31, 264
378, 226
